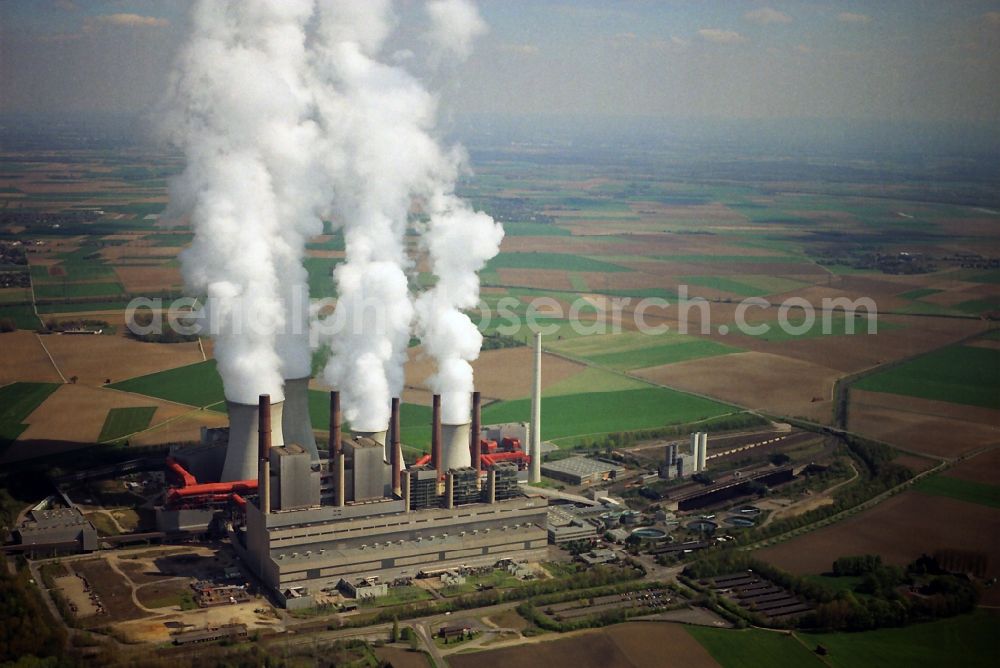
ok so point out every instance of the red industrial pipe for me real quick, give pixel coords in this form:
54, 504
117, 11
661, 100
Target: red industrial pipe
423, 460
186, 478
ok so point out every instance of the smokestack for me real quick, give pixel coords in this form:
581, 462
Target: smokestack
477, 426
396, 461
296, 426
336, 453
449, 490
436, 455
264, 453
335, 435
406, 491
242, 448
536, 415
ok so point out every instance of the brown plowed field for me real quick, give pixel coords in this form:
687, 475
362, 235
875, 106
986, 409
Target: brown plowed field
25, 359
984, 468
899, 529
94, 359
139, 279
500, 374
185, 429
76, 413
635, 644
754, 380
923, 425
551, 279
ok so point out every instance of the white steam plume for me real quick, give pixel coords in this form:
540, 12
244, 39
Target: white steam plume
381, 156
238, 111
376, 151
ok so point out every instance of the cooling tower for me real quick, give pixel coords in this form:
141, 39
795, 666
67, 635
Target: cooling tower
296, 426
379, 437
455, 445
241, 451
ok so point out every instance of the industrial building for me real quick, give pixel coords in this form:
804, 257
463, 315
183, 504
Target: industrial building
63, 527
682, 465
358, 517
582, 470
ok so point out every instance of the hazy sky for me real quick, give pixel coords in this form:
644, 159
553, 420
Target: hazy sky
910, 60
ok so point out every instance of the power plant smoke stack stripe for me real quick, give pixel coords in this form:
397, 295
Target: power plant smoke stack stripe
396, 460
437, 460
477, 426
264, 452
536, 414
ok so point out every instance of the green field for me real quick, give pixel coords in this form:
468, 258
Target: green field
17, 401
968, 641
957, 374
593, 379
964, 490
72, 290
754, 648
196, 384
918, 293
744, 286
83, 307
659, 355
835, 325
124, 421
321, 276
635, 350
23, 316
564, 261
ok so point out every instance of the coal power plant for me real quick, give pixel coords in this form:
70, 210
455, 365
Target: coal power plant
304, 520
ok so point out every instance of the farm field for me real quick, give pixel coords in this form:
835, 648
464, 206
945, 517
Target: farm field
933, 427
984, 494
24, 358
124, 421
18, 400
899, 529
958, 374
634, 644
967, 640
750, 648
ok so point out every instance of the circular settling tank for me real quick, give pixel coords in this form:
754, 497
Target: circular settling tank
703, 526
649, 533
748, 511
739, 521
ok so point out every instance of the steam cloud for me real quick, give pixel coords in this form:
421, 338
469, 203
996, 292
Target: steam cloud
289, 112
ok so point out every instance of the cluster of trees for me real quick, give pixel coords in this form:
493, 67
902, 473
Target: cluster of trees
53, 325
498, 341
886, 596
26, 627
167, 332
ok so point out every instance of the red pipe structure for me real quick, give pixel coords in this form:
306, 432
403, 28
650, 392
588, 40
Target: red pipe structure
186, 478
477, 419
425, 459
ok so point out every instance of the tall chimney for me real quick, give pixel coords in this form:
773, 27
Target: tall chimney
396, 458
264, 453
477, 420
437, 458
336, 455
335, 435
536, 415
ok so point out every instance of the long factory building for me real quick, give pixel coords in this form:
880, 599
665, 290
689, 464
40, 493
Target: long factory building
359, 514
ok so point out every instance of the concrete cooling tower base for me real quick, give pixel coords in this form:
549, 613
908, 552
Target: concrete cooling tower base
241, 452
455, 445
295, 423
